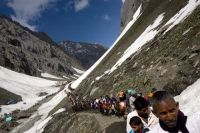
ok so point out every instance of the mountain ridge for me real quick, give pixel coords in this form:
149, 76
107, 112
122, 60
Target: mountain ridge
83, 60
24, 51
86, 53
170, 8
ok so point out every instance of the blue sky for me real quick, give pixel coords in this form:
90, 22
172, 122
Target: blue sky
94, 21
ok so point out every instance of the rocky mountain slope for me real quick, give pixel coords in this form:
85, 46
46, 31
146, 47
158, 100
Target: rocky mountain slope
85, 53
169, 60
31, 52
128, 9
159, 47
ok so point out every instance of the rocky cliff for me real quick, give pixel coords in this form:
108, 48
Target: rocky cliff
128, 9
31, 52
85, 53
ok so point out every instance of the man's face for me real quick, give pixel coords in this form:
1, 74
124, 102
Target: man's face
167, 112
136, 128
144, 112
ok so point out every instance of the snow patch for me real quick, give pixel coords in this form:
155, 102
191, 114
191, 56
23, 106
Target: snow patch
47, 75
78, 70
59, 111
185, 32
28, 87
99, 77
182, 14
44, 110
189, 99
149, 33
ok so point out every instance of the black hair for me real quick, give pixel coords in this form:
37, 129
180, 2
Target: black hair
153, 90
135, 120
160, 96
140, 103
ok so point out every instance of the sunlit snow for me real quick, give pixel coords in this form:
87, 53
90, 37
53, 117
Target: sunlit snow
28, 87
44, 111
78, 70
146, 36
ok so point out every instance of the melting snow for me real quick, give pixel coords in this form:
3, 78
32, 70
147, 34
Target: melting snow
185, 32
78, 70
146, 36
189, 99
28, 87
182, 14
44, 111
149, 33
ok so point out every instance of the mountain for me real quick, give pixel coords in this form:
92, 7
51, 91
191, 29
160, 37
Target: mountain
85, 53
31, 52
159, 46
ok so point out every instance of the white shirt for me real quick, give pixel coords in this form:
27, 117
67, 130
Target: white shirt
192, 124
152, 120
131, 101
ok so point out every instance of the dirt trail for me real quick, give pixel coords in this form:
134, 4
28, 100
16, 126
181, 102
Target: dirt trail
108, 124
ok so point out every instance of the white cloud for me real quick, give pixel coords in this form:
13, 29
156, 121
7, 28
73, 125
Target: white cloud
24, 23
28, 10
80, 4
123, 1
106, 17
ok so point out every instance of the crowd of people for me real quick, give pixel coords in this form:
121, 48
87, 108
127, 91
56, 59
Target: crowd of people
156, 112
119, 105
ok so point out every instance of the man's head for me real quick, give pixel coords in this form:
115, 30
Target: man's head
165, 108
136, 124
142, 107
